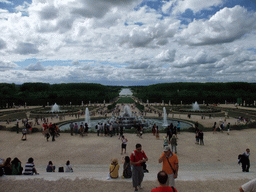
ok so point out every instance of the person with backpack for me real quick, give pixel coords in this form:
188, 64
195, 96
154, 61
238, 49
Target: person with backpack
162, 178
137, 158
170, 165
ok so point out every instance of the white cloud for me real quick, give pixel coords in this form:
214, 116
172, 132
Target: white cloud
7, 65
167, 55
195, 5
138, 66
227, 25
35, 67
108, 46
6, 1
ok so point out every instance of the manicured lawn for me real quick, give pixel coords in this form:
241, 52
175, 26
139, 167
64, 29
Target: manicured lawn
125, 100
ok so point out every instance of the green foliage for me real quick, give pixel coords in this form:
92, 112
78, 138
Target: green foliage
112, 106
190, 92
62, 94
139, 106
125, 100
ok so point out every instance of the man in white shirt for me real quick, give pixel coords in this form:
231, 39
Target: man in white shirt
249, 186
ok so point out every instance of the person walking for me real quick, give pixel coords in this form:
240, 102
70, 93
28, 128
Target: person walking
201, 137
17, 126
137, 157
71, 128
170, 165
214, 127
244, 159
124, 144
162, 178
76, 128
97, 128
52, 132
174, 143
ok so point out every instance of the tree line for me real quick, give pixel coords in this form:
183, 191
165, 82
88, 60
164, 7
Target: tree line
235, 92
62, 94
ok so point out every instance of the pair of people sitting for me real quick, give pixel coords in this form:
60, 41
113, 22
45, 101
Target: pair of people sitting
9, 167
114, 168
51, 168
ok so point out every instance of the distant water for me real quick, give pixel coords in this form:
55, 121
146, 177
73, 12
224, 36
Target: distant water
125, 92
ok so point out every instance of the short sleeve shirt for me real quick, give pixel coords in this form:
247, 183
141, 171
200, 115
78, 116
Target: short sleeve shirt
173, 160
249, 186
138, 156
163, 189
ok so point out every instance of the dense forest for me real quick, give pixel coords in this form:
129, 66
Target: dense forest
62, 94
235, 92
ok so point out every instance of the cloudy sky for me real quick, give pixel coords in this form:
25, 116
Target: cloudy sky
127, 42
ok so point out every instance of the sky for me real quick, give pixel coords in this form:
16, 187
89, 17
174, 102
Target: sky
127, 42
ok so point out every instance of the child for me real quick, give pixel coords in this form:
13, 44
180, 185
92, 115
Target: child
24, 133
114, 168
141, 132
127, 172
174, 143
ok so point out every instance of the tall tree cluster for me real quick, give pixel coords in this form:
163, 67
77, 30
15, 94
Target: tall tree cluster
62, 94
201, 92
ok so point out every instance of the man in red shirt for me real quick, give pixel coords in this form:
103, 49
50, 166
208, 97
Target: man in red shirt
162, 178
137, 157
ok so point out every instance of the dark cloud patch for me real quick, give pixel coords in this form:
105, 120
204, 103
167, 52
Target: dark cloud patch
138, 66
2, 44
26, 48
49, 13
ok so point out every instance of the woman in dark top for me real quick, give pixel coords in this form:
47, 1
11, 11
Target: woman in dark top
127, 173
16, 167
50, 167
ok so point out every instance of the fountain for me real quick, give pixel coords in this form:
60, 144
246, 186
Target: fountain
128, 120
55, 108
87, 117
195, 107
127, 111
165, 123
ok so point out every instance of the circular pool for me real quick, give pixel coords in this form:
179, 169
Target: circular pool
148, 123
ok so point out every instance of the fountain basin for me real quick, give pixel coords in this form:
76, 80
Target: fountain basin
147, 124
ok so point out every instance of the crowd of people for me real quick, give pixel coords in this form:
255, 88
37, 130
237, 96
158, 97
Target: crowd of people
14, 167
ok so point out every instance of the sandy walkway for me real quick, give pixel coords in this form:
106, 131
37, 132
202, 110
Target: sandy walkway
200, 166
